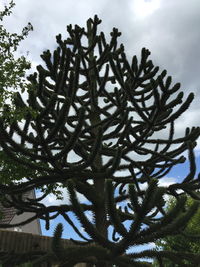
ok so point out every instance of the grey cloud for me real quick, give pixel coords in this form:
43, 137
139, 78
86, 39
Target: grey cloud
171, 32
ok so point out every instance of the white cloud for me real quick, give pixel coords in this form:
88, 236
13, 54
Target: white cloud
170, 29
166, 181
143, 8
51, 199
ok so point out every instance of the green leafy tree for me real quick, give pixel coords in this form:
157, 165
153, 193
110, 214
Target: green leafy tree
12, 68
95, 132
12, 79
186, 240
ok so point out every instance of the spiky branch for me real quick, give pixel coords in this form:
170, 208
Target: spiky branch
112, 115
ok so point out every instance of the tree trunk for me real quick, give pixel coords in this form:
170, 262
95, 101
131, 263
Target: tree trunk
99, 184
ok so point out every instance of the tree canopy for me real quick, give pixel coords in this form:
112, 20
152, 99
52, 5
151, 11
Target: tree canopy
187, 240
12, 79
99, 128
12, 68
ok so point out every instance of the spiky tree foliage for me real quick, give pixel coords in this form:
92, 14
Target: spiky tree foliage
104, 128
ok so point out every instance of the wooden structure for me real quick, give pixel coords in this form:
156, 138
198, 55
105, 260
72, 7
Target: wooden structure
19, 242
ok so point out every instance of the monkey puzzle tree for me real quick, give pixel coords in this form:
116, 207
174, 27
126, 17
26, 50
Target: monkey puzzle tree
104, 128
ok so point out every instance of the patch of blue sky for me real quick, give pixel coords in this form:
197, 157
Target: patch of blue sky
177, 174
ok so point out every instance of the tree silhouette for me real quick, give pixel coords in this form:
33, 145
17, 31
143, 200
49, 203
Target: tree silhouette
103, 127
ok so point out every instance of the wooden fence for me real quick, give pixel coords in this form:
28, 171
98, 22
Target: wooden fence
19, 242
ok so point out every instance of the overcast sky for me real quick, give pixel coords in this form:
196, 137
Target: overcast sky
168, 28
